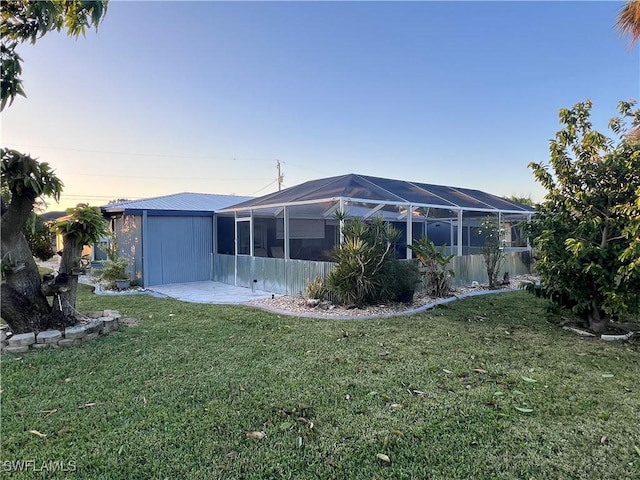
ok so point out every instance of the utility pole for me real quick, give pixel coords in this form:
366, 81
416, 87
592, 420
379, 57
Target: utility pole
280, 175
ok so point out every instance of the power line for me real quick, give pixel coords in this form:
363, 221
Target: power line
249, 159
101, 175
266, 186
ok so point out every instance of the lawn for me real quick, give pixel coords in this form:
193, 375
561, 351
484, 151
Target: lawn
483, 388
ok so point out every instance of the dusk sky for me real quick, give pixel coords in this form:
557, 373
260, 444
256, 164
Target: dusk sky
172, 97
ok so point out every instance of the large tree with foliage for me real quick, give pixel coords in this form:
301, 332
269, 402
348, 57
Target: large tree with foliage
24, 303
586, 231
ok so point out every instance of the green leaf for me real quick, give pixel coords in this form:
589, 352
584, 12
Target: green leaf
524, 409
607, 375
518, 392
299, 442
529, 380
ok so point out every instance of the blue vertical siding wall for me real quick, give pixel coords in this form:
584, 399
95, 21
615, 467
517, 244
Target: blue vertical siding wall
179, 249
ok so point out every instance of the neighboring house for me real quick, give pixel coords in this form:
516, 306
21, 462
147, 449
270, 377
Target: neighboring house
170, 239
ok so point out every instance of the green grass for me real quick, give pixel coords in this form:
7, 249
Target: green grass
175, 395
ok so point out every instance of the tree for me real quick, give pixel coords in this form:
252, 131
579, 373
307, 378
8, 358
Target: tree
586, 231
24, 20
24, 179
493, 248
522, 200
629, 20
39, 237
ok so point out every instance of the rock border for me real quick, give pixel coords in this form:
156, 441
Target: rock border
93, 325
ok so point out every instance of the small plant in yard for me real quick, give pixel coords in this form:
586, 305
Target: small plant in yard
436, 275
115, 267
493, 248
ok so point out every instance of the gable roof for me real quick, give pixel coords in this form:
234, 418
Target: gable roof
362, 188
177, 202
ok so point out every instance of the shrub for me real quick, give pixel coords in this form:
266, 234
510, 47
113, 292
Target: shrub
436, 276
316, 289
114, 270
401, 280
367, 271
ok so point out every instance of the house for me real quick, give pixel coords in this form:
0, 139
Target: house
276, 232
300, 222
170, 239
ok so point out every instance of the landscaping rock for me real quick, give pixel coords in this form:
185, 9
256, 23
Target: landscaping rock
67, 342
16, 349
109, 324
39, 346
94, 326
614, 338
582, 333
75, 332
96, 314
3, 333
49, 336
112, 313
22, 339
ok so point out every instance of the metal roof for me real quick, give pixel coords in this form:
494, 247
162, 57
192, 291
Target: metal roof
362, 188
177, 202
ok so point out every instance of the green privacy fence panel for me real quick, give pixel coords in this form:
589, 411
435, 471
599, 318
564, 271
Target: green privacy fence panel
291, 277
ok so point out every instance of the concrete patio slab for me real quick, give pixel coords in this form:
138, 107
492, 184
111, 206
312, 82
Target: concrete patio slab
209, 292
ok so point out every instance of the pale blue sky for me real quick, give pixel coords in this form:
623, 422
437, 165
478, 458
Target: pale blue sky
205, 96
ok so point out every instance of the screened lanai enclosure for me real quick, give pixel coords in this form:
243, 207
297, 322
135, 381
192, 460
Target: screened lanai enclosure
279, 241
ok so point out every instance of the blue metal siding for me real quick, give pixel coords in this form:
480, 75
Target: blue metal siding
179, 249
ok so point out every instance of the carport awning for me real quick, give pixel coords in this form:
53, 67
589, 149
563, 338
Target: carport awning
365, 189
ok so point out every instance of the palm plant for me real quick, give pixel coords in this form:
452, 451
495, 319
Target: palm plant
629, 20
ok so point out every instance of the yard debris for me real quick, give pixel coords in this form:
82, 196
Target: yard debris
38, 434
88, 405
383, 458
255, 435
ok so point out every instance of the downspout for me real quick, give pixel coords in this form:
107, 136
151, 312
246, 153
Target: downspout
341, 226
459, 253
235, 248
409, 232
145, 266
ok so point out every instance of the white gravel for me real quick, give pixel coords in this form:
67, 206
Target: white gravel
298, 305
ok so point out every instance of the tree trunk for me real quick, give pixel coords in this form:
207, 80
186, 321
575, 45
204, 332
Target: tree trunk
597, 323
64, 301
24, 306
